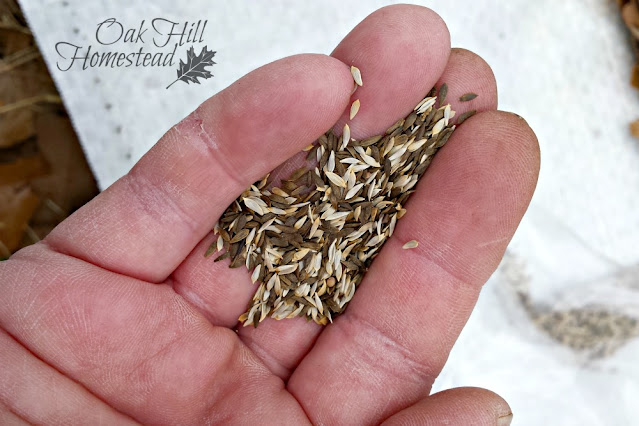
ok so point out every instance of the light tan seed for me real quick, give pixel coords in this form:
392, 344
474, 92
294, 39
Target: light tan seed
357, 75
336, 179
439, 126
353, 191
346, 137
410, 245
299, 255
300, 222
286, 269
252, 204
330, 165
256, 273
354, 108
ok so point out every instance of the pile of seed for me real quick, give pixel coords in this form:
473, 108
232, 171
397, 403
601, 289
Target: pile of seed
309, 241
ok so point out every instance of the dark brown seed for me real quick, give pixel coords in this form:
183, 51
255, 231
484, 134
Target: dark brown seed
332, 142
410, 120
211, 249
420, 133
443, 91
289, 186
300, 189
339, 168
443, 137
465, 116
297, 174
241, 223
438, 116
237, 262
288, 257
468, 97
396, 132
429, 117
312, 155
279, 242
240, 236
401, 139
225, 236
375, 153
369, 141
398, 124
387, 167
222, 257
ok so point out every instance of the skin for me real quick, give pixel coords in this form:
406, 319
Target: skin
117, 317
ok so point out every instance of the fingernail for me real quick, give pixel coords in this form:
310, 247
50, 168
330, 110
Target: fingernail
505, 420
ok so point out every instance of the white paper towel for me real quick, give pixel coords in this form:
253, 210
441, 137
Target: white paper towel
564, 66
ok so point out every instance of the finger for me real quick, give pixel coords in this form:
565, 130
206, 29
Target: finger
393, 340
7, 418
140, 348
400, 50
465, 72
390, 36
147, 223
460, 406
40, 395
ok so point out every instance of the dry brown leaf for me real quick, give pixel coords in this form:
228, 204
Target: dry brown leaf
17, 204
634, 79
634, 128
16, 126
22, 169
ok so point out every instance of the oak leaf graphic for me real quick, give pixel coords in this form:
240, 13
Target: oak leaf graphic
194, 67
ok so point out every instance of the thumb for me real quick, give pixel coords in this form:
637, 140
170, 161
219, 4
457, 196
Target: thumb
460, 406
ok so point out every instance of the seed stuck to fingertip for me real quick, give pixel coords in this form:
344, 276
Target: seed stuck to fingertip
410, 245
354, 108
357, 75
468, 97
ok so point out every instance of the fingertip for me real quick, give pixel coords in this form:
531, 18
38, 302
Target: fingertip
401, 51
290, 101
456, 406
515, 134
467, 72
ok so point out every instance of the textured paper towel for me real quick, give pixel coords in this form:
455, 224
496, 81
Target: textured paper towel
564, 66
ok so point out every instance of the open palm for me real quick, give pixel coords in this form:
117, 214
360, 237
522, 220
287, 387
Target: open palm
117, 316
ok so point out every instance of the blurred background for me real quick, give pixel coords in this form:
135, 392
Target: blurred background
556, 330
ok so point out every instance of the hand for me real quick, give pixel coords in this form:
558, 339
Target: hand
117, 317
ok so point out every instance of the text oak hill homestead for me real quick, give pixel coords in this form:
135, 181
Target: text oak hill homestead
159, 34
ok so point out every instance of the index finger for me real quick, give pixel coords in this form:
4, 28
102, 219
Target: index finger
146, 223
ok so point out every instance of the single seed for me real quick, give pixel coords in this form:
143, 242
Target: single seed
443, 91
346, 136
465, 116
410, 245
354, 109
468, 97
357, 75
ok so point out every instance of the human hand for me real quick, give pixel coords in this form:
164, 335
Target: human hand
117, 317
